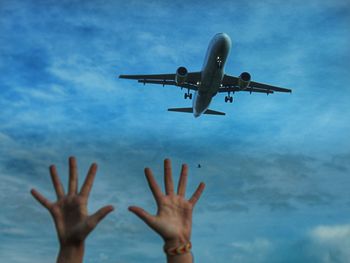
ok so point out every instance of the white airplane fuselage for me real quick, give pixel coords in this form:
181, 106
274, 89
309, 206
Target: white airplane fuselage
212, 72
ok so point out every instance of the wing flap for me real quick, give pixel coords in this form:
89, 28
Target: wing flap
169, 82
268, 87
234, 89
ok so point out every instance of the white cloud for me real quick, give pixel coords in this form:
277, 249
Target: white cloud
258, 244
50, 93
330, 244
5, 139
325, 234
257, 250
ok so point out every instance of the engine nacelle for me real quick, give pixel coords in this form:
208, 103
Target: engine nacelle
244, 80
181, 75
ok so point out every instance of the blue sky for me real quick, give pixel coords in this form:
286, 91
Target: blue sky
276, 167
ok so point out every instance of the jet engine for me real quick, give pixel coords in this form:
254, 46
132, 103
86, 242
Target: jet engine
181, 75
244, 80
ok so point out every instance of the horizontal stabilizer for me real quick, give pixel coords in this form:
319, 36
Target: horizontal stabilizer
190, 110
213, 112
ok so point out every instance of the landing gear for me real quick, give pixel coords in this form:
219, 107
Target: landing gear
229, 98
188, 95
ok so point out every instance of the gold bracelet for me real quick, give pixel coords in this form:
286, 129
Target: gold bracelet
182, 249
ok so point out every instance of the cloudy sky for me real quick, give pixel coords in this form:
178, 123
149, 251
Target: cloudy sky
276, 167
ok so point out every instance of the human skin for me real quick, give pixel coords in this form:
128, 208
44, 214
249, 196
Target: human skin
173, 221
69, 212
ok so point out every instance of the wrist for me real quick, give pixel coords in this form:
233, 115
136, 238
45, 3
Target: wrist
177, 247
176, 241
71, 253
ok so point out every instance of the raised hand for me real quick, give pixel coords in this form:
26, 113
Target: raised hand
173, 221
73, 224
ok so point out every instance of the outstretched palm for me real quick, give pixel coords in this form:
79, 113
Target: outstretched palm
69, 212
173, 220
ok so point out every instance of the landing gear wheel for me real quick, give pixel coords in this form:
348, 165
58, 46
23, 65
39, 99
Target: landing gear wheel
231, 99
185, 96
226, 98
190, 96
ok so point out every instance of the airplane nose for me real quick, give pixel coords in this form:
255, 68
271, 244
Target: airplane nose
224, 35
225, 40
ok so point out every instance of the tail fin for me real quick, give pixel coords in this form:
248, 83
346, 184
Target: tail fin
190, 110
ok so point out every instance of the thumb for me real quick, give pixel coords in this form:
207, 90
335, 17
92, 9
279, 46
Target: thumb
94, 219
142, 214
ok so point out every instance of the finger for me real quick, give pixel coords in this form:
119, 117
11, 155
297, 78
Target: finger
181, 188
89, 180
143, 215
157, 193
94, 219
197, 194
73, 176
41, 199
56, 182
168, 179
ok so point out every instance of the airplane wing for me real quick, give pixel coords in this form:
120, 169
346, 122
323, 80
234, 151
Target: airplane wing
231, 82
167, 79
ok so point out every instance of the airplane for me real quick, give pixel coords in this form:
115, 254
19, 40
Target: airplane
209, 81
